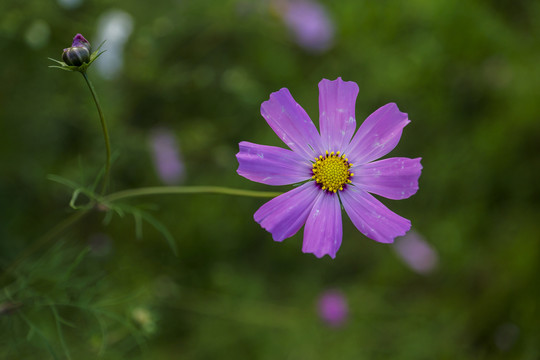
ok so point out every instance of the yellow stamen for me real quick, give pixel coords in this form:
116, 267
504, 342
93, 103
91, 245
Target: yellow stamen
332, 171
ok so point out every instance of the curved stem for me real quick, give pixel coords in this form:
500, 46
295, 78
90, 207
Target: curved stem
161, 190
105, 133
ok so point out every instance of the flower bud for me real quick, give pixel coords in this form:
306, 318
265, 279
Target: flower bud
79, 52
78, 57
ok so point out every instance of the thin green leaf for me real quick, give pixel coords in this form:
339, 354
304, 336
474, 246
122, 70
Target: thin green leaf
30, 334
138, 225
35, 329
98, 178
60, 67
74, 197
118, 209
63, 181
59, 62
108, 217
58, 319
103, 331
76, 263
162, 229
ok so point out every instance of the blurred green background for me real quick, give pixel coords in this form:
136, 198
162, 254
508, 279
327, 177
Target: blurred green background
468, 75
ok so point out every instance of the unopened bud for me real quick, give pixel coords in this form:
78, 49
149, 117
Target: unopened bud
78, 57
79, 52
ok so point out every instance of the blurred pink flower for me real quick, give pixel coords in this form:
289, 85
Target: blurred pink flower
333, 308
166, 156
309, 23
416, 253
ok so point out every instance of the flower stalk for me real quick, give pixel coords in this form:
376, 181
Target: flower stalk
170, 190
105, 133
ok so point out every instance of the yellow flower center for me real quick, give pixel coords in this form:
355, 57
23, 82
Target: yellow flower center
332, 171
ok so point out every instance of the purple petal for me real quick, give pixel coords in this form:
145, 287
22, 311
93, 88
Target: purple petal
323, 231
371, 217
337, 100
271, 165
394, 178
284, 215
79, 40
378, 135
291, 123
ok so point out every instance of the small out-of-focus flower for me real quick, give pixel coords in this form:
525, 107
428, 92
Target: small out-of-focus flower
335, 169
114, 26
144, 319
309, 23
333, 308
166, 156
77, 57
416, 253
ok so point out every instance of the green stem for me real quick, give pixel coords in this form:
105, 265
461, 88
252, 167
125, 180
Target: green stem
105, 133
162, 190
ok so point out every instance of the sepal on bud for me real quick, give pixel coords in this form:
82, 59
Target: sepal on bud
78, 57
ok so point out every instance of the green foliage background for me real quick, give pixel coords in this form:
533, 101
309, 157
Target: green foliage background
467, 74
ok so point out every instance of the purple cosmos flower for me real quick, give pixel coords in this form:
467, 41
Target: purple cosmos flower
334, 169
333, 308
